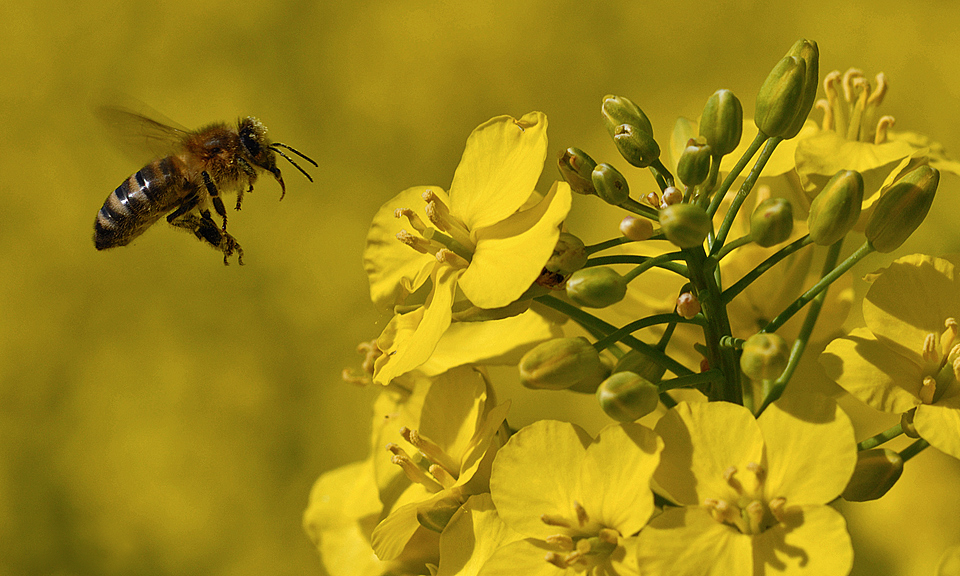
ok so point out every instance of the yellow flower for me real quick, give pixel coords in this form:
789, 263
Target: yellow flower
907, 356
486, 239
472, 536
576, 500
752, 493
445, 459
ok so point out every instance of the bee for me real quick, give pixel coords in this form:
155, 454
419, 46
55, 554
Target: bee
185, 184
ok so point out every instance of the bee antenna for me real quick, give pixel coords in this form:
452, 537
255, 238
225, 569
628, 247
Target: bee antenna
295, 151
290, 160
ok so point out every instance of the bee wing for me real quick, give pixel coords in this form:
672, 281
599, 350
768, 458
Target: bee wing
143, 134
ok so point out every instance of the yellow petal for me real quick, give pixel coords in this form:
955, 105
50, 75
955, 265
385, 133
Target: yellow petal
511, 254
452, 409
810, 449
395, 532
474, 533
689, 542
499, 169
615, 476
413, 336
701, 442
523, 557
813, 540
819, 157
393, 268
872, 373
939, 424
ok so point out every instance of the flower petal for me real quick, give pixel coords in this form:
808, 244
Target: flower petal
813, 540
523, 557
872, 373
615, 476
474, 533
393, 268
703, 440
822, 155
689, 542
410, 338
939, 424
810, 449
499, 169
511, 254
538, 472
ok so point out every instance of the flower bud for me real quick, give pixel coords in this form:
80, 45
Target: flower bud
618, 110
694, 164
610, 184
686, 225
902, 208
636, 146
626, 396
576, 167
641, 365
721, 123
435, 515
876, 472
596, 287
636, 229
836, 208
764, 356
688, 305
671, 195
559, 364
787, 95
772, 222
568, 256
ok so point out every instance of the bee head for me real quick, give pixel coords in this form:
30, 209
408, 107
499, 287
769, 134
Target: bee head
253, 136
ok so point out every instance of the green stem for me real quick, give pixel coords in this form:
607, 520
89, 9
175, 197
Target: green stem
612, 243
733, 245
914, 449
691, 380
881, 438
631, 205
667, 400
744, 191
817, 288
732, 292
663, 176
598, 326
800, 344
675, 267
650, 263
640, 324
732, 176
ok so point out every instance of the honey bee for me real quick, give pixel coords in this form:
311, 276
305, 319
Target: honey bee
183, 185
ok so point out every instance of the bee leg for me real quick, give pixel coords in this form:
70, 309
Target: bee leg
204, 228
215, 196
187, 205
240, 195
251, 176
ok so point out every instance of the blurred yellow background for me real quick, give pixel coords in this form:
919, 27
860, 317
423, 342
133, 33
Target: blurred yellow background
165, 415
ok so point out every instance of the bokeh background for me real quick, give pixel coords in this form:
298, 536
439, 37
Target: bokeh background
161, 414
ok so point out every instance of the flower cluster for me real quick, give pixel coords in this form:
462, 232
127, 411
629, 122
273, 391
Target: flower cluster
685, 327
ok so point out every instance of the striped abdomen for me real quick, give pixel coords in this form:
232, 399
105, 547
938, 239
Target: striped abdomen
141, 200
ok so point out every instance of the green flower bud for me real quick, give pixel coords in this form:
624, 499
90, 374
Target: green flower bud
610, 184
902, 208
596, 287
589, 384
876, 472
787, 95
559, 364
618, 110
686, 225
772, 222
641, 365
694, 164
764, 356
576, 167
626, 396
435, 515
635, 228
636, 146
568, 256
836, 208
721, 123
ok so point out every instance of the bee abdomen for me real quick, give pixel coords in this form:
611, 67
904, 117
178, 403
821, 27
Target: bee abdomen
137, 203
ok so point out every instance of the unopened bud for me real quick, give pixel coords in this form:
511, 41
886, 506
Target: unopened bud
618, 110
568, 256
764, 356
436, 515
636, 229
626, 396
686, 225
559, 364
610, 184
772, 222
721, 123
636, 146
596, 287
671, 195
641, 365
694, 164
688, 305
876, 472
787, 95
902, 208
576, 166
836, 208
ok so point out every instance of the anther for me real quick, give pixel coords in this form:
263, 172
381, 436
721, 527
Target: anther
758, 471
929, 350
778, 508
754, 512
412, 217
609, 535
582, 516
876, 97
418, 243
849, 77
928, 390
883, 125
824, 105
552, 520
720, 510
431, 450
445, 256
561, 541
413, 472
729, 476
949, 336
556, 560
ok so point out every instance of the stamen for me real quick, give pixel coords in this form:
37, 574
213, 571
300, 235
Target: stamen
949, 337
584, 546
928, 390
431, 450
956, 369
830, 83
445, 256
883, 124
413, 472
929, 350
720, 510
552, 520
849, 77
609, 535
582, 516
443, 477
754, 511
758, 471
561, 541
876, 97
728, 476
412, 217
824, 104
778, 508
556, 560
856, 119
418, 243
